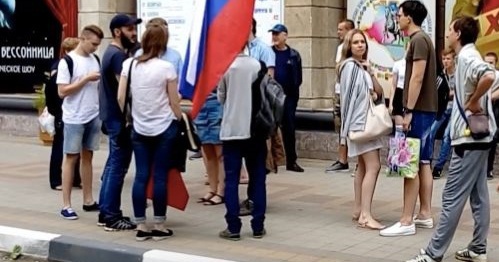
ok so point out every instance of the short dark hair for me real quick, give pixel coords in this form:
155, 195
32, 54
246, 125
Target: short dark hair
253, 27
349, 23
93, 29
468, 28
492, 54
416, 10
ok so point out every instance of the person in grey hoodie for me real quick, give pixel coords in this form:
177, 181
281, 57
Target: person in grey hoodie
468, 167
358, 84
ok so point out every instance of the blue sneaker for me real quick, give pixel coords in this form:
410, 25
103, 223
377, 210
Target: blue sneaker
69, 214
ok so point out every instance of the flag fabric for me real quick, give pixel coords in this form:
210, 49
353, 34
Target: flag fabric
220, 29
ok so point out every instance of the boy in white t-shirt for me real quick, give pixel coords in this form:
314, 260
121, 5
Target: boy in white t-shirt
78, 86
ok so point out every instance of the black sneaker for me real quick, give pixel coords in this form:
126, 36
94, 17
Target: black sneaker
490, 175
437, 173
120, 224
259, 234
143, 235
102, 222
92, 207
158, 235
245, 207
337, 167
226, 234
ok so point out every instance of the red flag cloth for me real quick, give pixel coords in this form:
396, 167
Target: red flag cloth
176, 192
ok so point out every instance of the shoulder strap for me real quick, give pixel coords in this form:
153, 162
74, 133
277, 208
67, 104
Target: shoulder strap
461, 110
127, 96
97, 58
69, 62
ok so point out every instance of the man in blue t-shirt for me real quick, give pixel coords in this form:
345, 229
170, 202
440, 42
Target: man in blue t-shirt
288, 73
124, 33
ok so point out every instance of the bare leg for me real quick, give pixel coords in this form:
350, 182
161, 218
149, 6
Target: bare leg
411, 190
67, 178
211, 168
221, 171
372, 167
357, 187
86, 176
343, 154
425, 191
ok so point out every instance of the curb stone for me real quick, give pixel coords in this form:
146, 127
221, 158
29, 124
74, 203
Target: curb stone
61, 248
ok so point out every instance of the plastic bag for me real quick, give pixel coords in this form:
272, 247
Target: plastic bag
403, 156
46, 121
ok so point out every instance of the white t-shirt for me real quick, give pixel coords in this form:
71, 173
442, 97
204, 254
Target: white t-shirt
399, 69
338, 58
151, 111
83, 106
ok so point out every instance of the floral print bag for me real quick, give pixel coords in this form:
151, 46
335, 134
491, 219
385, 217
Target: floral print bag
403, 156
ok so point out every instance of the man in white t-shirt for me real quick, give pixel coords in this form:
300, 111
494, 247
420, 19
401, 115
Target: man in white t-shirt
78, 82
341, 165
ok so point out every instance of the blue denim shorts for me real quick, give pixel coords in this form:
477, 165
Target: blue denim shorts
82, 136
421, 128
209, 120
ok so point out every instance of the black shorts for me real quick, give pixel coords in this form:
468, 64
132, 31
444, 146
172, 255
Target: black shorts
397, 104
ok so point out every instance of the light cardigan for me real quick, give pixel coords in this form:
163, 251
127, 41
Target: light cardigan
355, 95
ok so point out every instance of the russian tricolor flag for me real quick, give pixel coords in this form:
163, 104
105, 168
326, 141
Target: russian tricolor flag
219, 30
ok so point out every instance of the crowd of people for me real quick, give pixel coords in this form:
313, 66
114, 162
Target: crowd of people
133, 95
427, 100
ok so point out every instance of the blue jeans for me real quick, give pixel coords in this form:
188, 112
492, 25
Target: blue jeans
254, 152
445, 147
153, 156
113, 176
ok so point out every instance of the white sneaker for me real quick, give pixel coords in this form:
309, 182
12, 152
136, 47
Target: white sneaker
423, 223
468, 255
422, 257
398, 230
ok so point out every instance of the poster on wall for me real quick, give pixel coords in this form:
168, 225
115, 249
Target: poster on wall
30, 37
487, 14
178, 14
377, 19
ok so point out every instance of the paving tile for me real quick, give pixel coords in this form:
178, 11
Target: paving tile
308, 218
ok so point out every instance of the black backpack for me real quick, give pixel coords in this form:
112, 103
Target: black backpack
52, 99
267, 104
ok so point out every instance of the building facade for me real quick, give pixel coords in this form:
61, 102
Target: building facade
312, 31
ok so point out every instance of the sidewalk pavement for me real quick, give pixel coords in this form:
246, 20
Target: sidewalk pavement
308, 215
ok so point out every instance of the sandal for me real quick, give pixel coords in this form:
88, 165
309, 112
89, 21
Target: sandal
211, 202
206, 199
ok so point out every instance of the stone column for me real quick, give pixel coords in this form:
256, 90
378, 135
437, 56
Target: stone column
100, 12
312, 31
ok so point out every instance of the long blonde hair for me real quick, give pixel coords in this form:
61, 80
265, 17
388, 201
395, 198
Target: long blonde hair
346, 51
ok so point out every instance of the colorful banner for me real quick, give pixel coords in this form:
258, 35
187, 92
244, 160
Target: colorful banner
486, 12
179, 15
377, 18
30, 38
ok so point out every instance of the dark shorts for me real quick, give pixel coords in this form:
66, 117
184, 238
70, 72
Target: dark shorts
209, 120
397, 104
421, 128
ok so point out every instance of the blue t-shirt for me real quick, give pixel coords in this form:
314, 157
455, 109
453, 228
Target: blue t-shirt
282, 69
112, 63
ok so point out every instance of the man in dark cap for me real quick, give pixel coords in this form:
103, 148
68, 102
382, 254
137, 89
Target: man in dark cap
124, 32
288, 73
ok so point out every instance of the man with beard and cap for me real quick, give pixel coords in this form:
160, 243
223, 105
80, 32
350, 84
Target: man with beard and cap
124, 33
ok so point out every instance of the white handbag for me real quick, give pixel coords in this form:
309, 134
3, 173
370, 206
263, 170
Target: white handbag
378, 123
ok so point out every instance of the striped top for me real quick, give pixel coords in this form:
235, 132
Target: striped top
355, 95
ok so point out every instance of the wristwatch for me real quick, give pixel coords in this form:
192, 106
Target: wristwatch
407, 110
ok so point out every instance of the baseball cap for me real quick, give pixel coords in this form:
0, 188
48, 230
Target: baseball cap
279, 28
121, 20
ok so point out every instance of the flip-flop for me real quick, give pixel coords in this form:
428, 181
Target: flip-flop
204, 200
210, 202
